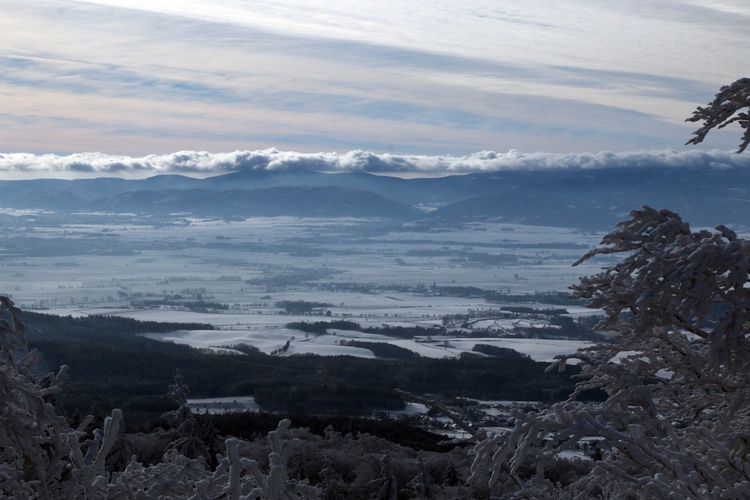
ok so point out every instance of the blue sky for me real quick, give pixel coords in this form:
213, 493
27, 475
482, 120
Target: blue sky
437, 77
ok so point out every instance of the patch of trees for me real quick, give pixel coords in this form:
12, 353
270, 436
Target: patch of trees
497, 296
349, 286
491, 296
407, 332
244, 348
492, 350
281, 276
404, 332
459, 291
99, 328
111, 366
487, 259
32, 246
466, 257
300, 306
201, 306
383, 349
562, 327
554, 298
531, 310
322, 327
252, 425
347, 385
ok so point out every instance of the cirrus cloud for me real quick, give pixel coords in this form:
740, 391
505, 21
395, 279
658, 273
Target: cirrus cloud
434, 77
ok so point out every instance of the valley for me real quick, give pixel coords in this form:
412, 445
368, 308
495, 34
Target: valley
234, 273
436, 292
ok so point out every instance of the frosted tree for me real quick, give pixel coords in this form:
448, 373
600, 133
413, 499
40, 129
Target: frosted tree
29, 421
190, 437
388, 484
41, 456
731, 105
676, 421
331, 487
236, 476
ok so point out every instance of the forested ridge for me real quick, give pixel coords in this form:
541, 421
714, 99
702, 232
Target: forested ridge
110, 366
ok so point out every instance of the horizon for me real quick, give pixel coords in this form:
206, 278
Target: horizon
135, 78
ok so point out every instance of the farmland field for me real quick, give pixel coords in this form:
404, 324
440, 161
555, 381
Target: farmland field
233, 274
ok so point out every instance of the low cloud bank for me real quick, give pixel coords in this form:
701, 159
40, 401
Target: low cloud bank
204, 164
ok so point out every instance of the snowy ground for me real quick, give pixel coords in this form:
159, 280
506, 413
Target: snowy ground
201, 253
329, 345
223, 405
365, 271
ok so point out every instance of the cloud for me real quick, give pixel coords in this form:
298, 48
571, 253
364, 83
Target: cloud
437, 76
203, 164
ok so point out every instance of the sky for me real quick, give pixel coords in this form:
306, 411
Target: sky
133, 78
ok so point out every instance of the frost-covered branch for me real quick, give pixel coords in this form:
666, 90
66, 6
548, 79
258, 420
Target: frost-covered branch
730, 105
677, 374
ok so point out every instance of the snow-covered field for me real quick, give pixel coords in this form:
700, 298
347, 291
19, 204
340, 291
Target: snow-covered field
365, 271
329, 345
224, 405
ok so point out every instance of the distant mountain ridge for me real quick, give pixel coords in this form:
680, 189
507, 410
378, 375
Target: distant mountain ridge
584, 198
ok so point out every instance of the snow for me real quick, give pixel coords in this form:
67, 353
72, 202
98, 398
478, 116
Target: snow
223, 405
329, 345
237, 263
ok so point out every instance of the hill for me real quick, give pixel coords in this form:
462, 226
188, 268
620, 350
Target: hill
573, 197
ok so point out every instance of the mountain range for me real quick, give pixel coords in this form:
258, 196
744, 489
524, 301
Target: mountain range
592, 199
